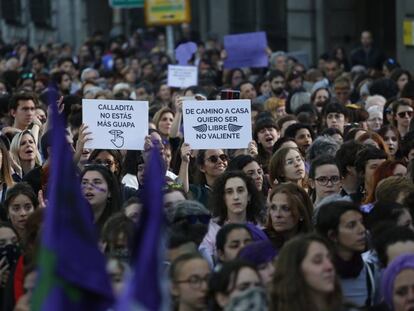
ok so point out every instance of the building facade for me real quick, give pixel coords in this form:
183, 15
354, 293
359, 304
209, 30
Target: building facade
310, 26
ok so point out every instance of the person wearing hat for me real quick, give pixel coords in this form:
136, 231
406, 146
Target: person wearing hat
397, 284
262, 255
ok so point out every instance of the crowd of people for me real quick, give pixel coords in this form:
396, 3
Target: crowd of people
314, 214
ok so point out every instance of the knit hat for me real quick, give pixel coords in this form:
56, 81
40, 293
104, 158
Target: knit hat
259, 252
394, 268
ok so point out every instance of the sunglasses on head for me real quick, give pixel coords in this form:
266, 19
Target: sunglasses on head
214, 159
402, 114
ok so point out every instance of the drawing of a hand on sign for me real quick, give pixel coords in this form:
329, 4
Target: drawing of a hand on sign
118, 140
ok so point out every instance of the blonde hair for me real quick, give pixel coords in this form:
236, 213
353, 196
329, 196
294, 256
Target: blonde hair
15, 146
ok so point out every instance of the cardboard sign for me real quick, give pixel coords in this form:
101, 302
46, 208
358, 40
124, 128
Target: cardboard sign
182, 76
246, 50
217, 124
116, 124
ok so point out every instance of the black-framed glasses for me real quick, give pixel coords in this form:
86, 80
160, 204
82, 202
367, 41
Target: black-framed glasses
324, 180
214, 159
195, 281
402, 114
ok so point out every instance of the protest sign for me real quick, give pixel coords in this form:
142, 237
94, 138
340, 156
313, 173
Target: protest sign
246, 50
182, 76
116, 124
217, 124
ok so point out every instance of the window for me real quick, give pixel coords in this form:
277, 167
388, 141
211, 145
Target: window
11, 11
41, 12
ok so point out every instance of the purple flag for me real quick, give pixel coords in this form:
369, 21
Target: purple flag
147, 288
72, 274
246, 50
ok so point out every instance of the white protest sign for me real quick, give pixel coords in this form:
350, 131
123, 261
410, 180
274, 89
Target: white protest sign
182, 76
217, 124
116, 124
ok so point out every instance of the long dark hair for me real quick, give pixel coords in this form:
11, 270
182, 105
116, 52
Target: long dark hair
113, 203
290, 292
217, 204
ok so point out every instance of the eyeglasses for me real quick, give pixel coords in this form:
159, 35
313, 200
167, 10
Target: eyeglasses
194, 219
324, 180
107, 163
195, 281
402, 114
214, 159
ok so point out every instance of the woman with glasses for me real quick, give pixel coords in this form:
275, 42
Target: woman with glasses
101, 190
112, 159
234, 199
403, 113
324, 178
211, 164
305, 277
235, 279
288, 214
189, 275
287, 165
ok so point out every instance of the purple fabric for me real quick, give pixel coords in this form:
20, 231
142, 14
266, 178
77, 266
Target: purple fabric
246, 50
71, 266
394, 268
146, 289
184, 52
257, 234
258, 252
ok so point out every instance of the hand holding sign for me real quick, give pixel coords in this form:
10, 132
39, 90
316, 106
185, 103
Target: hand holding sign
252, 149
217, 124
186, 152
116, 124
